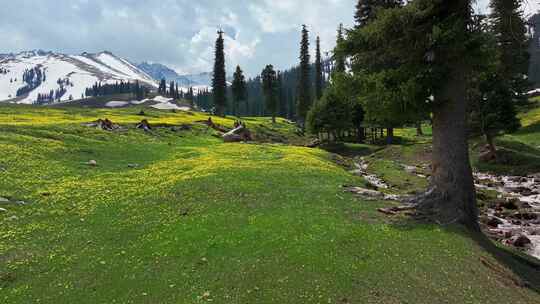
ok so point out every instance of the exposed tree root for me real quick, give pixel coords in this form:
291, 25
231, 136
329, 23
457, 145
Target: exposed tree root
439, 207
397, 209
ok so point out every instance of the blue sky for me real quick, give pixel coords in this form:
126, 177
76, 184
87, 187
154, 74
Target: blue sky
178, 33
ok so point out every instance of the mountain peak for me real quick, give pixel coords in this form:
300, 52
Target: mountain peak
160, 71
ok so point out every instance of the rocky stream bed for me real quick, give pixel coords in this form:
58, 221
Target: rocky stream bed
514, 216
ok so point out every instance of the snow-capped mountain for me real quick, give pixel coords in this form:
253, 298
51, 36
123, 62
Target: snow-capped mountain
202, 79
26, 75
159, 71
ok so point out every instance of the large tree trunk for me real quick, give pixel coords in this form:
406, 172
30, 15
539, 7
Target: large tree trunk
491, 145
361, 135
452, 197
390, 136
419, 131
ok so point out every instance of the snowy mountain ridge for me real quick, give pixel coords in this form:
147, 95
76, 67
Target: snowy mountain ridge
26, 75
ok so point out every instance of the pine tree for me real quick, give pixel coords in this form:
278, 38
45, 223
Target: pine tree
170, 92
162, 87
282, 103
191, 96
304, 83
339, 56
499, 81
443, 62
493, 110
269, 82
511, 35
318, 70
138, 91
239, 90
219, 80
364, 12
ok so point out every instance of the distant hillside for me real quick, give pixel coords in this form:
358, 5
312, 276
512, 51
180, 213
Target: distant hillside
26, 75
159, 71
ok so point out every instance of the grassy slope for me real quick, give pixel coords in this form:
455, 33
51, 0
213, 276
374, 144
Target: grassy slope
520, 150
202, 221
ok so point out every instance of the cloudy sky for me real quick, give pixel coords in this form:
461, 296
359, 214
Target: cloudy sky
178, 33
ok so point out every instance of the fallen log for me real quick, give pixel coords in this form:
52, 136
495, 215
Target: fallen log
103, 124
144, 125
214, 126
239, 134
314, 144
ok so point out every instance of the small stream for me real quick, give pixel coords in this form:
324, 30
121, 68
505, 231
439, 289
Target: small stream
524, 194
361, 170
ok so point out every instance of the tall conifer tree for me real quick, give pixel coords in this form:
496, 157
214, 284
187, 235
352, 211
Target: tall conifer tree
510, 31
318, 70
162, 87
304, 83
364, 12
339, 56
281, 96
269, 82
171, 89
500, 82
239, 89
219, 80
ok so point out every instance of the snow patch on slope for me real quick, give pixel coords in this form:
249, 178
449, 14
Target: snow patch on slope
116, 104
82, 71
122, 66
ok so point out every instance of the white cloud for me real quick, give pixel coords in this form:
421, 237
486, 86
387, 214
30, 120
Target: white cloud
179, 33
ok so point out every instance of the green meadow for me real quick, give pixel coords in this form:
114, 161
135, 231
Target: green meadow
181, 217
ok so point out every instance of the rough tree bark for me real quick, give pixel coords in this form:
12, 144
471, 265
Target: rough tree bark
452, 196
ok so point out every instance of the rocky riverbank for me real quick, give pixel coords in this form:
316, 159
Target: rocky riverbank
513, 217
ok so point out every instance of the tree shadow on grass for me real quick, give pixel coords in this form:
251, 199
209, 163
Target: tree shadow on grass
519, 146
526, 268
350, 149
518, 268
